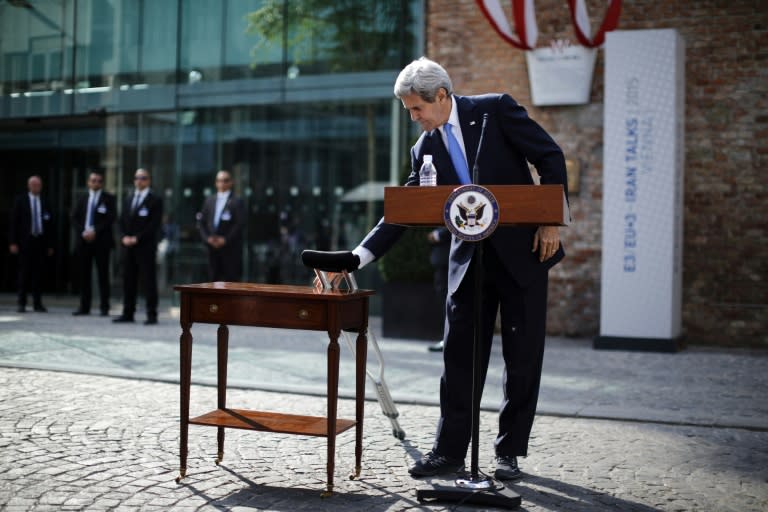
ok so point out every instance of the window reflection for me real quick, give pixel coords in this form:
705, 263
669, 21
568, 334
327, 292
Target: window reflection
301, 113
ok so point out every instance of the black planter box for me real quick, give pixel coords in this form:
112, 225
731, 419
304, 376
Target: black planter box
412, 311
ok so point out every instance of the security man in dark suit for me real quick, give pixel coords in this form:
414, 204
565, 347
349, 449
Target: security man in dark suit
221, 224
516, 259
31, 237
92, 219
140, 228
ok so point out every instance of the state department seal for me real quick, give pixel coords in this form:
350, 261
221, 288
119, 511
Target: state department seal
471, 213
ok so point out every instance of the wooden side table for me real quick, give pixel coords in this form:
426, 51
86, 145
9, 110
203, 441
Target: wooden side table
281, 306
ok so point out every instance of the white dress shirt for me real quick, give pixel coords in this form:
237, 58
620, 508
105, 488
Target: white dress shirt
221, 202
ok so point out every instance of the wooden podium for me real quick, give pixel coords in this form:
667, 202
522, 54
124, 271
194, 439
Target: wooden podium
517, 205
541, 205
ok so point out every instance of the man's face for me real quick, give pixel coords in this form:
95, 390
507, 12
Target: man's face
95, 182
428, 115
223, 181
141, 179
34, 185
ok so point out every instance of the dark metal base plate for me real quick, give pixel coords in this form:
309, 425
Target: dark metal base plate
499, 497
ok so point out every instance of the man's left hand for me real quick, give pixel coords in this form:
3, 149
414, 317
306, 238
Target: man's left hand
546, 241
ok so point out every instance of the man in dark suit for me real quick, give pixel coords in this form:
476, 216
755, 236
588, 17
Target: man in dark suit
92, 219
30, 236
221, 224
140, 227
516, 259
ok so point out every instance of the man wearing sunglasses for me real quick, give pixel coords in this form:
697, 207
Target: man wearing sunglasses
140, 226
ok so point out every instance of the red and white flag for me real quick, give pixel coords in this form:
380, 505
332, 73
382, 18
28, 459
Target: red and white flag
580, 20
526, 30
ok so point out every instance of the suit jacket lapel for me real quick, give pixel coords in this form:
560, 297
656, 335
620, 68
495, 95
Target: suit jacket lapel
441, 158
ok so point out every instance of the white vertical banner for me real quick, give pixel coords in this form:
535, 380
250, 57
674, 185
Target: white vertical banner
643, 161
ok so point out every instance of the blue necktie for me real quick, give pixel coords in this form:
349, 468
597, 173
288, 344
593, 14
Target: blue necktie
457, 157
36, 228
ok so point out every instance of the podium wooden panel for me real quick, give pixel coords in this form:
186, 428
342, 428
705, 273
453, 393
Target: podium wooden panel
518, 204
282, 306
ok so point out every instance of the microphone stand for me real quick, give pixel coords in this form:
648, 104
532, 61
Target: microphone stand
476, 489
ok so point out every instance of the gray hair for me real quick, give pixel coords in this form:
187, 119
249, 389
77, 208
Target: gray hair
423, 77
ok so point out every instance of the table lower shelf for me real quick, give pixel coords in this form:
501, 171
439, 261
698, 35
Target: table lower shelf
270, 422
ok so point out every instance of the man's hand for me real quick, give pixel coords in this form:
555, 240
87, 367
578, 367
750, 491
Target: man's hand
546, 241
129, 241
13, 248
217, 242
89, 235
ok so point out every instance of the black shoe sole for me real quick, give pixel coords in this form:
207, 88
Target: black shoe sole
438, 472
506, 477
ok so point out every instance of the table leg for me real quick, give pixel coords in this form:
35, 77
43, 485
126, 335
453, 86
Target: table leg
333, 395
361, 362
185, 366
223, 351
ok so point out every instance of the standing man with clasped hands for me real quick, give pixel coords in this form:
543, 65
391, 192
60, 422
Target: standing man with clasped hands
516, 260
221, 224
31, 237
140, 226
92, 220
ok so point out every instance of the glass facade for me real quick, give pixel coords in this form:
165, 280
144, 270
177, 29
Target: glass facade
294, 97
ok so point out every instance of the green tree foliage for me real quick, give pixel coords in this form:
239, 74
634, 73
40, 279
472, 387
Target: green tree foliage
347, 35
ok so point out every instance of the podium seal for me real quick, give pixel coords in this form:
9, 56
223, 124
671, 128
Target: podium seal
471, 213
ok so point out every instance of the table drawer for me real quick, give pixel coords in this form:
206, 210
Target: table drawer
261, 311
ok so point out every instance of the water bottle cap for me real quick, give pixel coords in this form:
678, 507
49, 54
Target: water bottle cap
427, 158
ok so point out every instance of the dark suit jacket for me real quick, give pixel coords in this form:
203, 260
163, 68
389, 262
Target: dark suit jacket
231, 222
511, 140
145, 223
20, 228
104, 216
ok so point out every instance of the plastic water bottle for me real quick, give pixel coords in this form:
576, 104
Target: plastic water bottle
427, 173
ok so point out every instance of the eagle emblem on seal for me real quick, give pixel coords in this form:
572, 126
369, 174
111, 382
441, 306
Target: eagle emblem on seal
471, 214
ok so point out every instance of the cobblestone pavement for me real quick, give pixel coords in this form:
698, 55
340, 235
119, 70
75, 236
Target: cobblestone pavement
89, 421
83, 442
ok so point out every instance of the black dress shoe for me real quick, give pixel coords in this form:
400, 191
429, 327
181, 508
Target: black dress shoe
436, 347
80, 312
123, 319
21, 309
506, 468
41, 309
433, 464
104, 312
150, 321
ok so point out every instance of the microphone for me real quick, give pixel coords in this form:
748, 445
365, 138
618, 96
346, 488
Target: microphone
475, 167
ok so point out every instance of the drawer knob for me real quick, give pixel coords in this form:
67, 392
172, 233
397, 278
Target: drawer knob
213, 308
303, 314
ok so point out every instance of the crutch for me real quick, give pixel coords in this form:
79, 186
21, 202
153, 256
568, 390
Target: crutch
333, 271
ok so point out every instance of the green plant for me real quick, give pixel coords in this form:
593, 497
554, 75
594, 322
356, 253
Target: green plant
408, 260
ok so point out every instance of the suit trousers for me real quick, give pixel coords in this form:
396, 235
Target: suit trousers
88, 254
523, 327
31, 270
225, 264
139, 263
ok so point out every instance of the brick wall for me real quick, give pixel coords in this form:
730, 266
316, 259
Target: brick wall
725, 294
